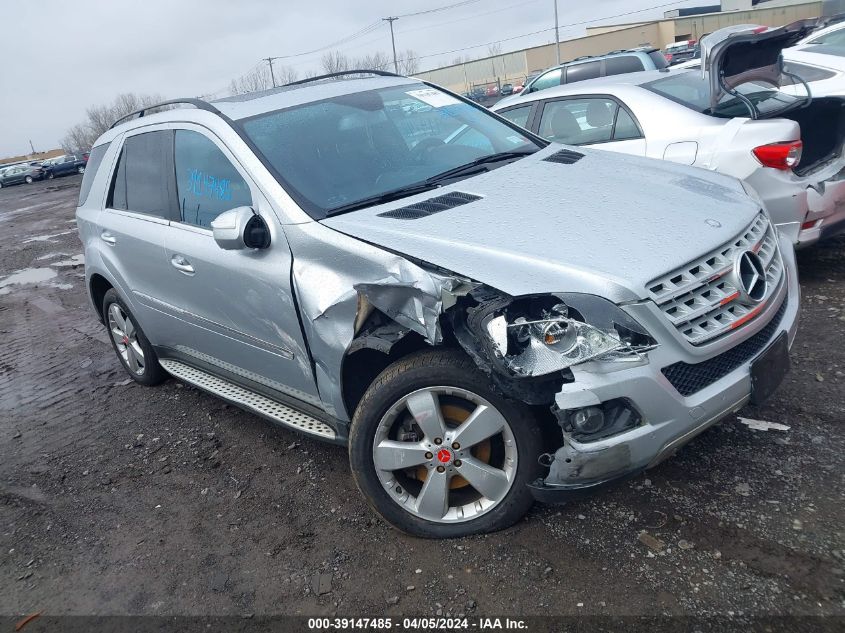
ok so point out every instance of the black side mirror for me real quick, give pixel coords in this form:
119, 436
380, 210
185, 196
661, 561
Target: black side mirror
256, 233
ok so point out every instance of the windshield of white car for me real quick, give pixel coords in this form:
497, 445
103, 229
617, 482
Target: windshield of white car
692, 90
338, 154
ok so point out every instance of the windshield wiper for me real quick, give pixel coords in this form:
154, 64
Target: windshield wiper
429, 183
387, 196
473, 166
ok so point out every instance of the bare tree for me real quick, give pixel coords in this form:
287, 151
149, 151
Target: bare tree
374, 61
285, 74
256, 79
409, 62
494, 49
334, 62
99, 118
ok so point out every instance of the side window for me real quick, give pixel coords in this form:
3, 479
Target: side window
578, 121
517, 115
550, 79
207, 184
623, 64
580, 72
625, 127
143, 181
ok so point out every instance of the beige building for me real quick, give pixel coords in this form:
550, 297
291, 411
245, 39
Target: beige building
516, 66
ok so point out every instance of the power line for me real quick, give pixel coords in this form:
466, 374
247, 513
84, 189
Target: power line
516, 37
438, 9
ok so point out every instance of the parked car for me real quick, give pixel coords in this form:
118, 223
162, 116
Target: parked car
492, 90
590, 67
507, 89
64, 166
821, 67
678, 52
833, 34
788, 150
21, 174
475, 342
477, 93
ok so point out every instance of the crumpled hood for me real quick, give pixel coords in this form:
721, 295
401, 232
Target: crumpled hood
606, 224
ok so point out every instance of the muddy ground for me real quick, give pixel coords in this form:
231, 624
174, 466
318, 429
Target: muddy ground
121, 499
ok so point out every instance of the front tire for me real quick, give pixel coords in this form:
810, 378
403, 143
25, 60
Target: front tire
80, 170
50, 175
129, 342
28, 180
438, 453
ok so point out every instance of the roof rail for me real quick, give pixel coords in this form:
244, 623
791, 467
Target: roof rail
364, 71
199, 104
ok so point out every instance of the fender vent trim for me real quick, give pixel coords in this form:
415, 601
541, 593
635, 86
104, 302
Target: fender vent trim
431, 206
564, 157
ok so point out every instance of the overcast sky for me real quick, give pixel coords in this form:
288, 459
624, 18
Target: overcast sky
59, 57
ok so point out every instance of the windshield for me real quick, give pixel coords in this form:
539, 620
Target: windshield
334, 153
691, 90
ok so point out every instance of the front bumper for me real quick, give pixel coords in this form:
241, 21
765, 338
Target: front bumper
669, 419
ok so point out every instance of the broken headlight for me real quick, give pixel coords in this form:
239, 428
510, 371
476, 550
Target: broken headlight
536, 336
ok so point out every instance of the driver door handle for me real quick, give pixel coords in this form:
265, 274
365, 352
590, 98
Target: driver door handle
108, 238
182, 265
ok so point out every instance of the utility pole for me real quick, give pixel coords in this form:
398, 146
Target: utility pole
557, 36
31, 147
272, 74
393, 42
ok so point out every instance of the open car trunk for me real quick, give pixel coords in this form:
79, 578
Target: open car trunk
822, 131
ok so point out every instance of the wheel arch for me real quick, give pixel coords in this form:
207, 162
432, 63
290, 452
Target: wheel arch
98, 286
369, 355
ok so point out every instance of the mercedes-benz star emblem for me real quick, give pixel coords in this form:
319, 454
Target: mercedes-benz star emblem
750, 277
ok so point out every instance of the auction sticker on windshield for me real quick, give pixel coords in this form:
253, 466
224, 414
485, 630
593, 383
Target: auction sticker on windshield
433, 97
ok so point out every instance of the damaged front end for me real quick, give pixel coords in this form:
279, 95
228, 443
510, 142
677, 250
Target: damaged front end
533, 347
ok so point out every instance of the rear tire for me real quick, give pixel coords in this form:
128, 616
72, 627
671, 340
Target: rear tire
480, 486
129, 342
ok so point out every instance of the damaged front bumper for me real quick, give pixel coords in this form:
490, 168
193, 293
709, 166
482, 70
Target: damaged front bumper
668, 420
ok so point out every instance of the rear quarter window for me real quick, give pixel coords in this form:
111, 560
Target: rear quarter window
580, 72
91, 168
623, 64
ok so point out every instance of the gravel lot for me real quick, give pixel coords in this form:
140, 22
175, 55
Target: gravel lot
121, 499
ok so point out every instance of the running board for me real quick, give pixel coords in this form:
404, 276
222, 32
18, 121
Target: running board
262, 405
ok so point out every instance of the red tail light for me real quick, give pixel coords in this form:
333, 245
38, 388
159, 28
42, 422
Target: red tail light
784, 155
668, 56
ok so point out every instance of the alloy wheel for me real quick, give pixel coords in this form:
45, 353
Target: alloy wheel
445, 454
125, 337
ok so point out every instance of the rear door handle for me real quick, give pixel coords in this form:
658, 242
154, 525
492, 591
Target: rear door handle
108, 238
182, 265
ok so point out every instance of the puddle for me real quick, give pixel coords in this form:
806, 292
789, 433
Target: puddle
73, 262
51, 256
25, 276
47, 238
60, 286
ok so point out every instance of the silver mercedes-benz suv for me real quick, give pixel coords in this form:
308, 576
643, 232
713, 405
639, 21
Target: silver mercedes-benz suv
484, 318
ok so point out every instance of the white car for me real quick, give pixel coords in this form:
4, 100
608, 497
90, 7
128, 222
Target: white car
830, 35
734, 121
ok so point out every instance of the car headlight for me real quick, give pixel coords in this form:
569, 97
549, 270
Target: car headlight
535, 336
